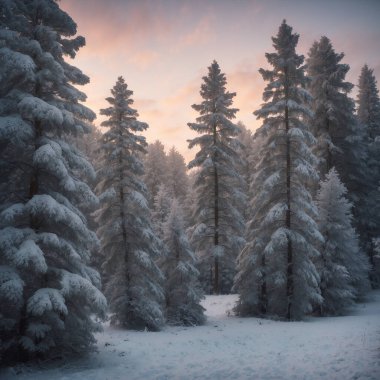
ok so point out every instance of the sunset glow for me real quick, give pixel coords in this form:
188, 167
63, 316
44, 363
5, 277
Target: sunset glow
163, 48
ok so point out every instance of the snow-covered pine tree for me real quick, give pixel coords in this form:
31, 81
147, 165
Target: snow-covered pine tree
182, 288
369, 118
245, 149
342, 266
328, 88
161, 209
133, 282
155, 169
218, 221
176, 179
276, 274
341, 142
48, 293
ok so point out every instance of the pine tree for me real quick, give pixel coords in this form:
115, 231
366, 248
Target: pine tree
155, 169
162, 205
183, 293
176, 179
341, 142
218, 220
369, 117
276, 274
342, 266
48, 293
129, 246
330, 102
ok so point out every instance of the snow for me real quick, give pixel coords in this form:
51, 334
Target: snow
228, 347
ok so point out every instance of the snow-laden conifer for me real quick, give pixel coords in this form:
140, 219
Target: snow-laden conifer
182, 289
276, 274
330, 102
342, 267
48, 293
218, 223
176, 179
155, 169
341, 141
130, 247
368, 103
161, 209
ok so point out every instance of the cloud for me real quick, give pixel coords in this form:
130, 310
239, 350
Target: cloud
202, 33
247, 82
118, 24
186, 95
144, 59
144, 103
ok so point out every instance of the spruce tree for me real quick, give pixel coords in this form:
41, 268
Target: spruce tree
218, 221
276, 274
155, 169
182, 289
48, 293
330, 102
368, 103
343, 268
176, 179
130, 247
162, 205
341, 141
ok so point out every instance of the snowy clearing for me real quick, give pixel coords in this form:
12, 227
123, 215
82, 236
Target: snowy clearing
228, 347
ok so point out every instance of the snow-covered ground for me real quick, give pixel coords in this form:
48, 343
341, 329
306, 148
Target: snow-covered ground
228, 347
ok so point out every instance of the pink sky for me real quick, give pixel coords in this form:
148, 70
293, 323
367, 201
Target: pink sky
163, 48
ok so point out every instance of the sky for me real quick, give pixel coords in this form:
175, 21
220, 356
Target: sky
163, 48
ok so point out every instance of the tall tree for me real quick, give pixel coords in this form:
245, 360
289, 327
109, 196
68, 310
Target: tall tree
276, 273
182, 289
130, 247
330, 102
218, 221
369, 117
343, 267
341, 142
155, 169
48, 293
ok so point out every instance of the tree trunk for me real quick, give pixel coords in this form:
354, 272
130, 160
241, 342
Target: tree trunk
216, 218
263, 291
289, 271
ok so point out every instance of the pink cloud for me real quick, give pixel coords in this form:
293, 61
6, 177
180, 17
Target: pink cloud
120, 25
201, 34
144, 59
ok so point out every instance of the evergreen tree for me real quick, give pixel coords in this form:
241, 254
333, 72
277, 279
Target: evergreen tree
341, 142
330, 102
176, 179
155, 169
162, 205
182, 288
48, 293
130, 247
276, 274
218, 221
342, 266
369, 117
369, 103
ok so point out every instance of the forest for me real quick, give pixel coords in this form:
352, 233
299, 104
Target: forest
98, 225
